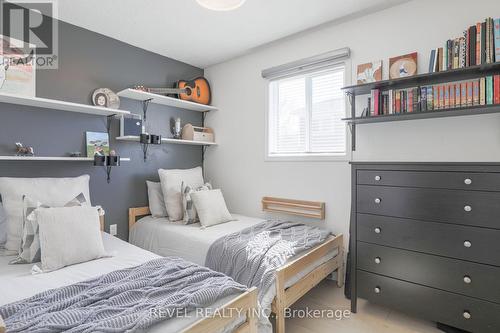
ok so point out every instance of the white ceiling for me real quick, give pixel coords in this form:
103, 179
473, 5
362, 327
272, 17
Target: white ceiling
183, 30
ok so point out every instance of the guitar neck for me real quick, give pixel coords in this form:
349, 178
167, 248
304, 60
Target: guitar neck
167, 90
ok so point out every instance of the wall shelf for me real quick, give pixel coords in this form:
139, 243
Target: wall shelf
132, 138
53, 158
455, 112
60, 105
165, 100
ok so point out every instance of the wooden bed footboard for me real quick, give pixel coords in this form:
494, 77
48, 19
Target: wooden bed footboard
285, 297
247, 302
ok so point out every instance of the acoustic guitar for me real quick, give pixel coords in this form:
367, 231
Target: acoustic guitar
196, 90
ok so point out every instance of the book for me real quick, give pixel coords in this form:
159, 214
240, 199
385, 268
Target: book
458, 97
440, 60
482, 91
423, 98
497, 39
496, 89
470, 93
463, 94
472, 45
446, 100
435, 98
461, 53
452, 95
430, 98
483, 42
489, 90
478, 43
456, 53
475, 92
432, 61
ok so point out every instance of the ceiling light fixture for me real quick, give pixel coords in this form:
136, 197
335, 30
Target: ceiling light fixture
221, 5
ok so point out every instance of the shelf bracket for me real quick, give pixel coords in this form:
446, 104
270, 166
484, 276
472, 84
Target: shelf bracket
145, 105
145, 147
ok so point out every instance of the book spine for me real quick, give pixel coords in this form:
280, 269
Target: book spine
423, 99
470, 93
456, 53
482, 91
472, 45
487, 42
483, 42
457, 95
436, 97
475, 92
430, 98
496, 89
489, 90
462, 53
478, 44
446, 96
467, 48
497, 39
451, 88
463, 94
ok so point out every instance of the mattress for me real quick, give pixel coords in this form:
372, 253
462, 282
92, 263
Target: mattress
17, 282
192, 242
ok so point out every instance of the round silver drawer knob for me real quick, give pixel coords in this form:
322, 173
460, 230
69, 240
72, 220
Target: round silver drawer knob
378, 178
467, 181
378, 230
467, 279
378, 200
467, 243
467, 315
467, 208
377, 290
378, 260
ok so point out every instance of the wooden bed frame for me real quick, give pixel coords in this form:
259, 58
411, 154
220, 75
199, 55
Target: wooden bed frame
285, 297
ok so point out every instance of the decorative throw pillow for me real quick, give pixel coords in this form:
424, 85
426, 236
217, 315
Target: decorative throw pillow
190, 214
30, 243
211, 207
156, 200
68, 235
54, 192
171, 182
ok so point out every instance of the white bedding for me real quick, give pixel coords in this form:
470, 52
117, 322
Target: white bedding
191, 242
17, 282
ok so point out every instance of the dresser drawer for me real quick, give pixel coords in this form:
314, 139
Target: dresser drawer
432, 304
431, 179
462, 277
429, 237
451, 206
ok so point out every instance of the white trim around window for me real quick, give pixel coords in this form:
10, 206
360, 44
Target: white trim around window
271, 111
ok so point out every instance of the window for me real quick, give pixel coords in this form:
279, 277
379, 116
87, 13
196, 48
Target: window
305, 114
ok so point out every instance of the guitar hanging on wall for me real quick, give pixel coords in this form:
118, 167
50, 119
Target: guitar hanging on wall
196, 90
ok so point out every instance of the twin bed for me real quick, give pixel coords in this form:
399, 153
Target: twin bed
191, 242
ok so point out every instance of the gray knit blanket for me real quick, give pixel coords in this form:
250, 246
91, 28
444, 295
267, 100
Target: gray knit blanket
126, 300
251, 256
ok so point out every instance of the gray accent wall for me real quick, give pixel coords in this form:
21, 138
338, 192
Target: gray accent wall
87, 61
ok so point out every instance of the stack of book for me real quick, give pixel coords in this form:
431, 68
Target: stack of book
480, 44
459, 94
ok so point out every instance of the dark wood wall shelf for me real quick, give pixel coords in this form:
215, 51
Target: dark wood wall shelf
419, 80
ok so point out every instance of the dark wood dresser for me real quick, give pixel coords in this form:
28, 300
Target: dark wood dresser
425, 239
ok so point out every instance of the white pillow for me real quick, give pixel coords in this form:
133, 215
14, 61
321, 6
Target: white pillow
69, 235
54, 192
156, 200
3, 226
189, 210
211, 207
171, 182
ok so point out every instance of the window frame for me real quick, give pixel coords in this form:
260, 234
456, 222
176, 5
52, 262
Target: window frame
308, 157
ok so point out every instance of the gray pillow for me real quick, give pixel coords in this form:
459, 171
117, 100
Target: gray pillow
211, 207
156, 199
30, 242
190, 214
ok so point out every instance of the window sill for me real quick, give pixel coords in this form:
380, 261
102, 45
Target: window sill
307, 158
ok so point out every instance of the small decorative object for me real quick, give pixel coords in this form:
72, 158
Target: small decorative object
130, 126
106, 98
154, 139
177, 129
75, 154
370, 72
97, 144
24, 151
196, 133
403, 66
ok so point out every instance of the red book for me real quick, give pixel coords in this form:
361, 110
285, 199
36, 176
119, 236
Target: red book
496, 90
377, 102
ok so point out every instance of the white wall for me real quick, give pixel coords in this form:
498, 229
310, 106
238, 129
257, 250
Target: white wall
237, 165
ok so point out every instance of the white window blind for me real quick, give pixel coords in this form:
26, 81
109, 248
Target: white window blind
305, 114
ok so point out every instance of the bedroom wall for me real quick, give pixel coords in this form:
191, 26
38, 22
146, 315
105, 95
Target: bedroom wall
87, 61
237, 165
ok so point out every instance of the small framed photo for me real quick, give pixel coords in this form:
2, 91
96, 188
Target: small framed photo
97, 144
403, 66
369, 72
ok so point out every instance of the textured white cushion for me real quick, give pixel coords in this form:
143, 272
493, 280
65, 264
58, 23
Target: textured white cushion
171, 182
3, 226
211, 207
156, 199
54, 192
69, 235
189, 210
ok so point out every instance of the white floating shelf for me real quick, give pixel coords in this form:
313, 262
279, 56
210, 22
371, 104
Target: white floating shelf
165, 100
60, 105
53, 158
168, 140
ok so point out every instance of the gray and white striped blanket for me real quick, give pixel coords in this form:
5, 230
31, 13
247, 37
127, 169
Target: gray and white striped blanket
121, 301
251, 256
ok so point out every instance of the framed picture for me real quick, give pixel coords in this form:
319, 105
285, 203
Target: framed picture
97, 144
369, 72
17, 70
403, 66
